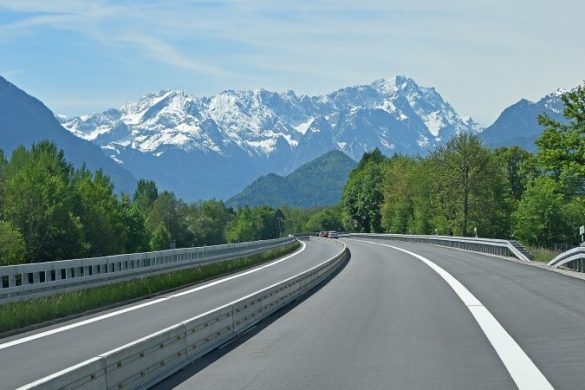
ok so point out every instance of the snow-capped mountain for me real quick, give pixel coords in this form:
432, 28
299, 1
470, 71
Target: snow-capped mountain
213, 146
518, 124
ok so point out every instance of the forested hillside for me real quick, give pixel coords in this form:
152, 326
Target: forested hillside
316, 183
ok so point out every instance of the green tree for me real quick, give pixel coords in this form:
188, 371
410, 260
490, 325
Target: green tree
561, 147
539, 217
39, 200
362, 195
145, 195
398, 206
469, 188
207, 221
243, 226
101, 214
250, 224
12, 245
160, 238
519, 167
170, 212
137, 239
328, 218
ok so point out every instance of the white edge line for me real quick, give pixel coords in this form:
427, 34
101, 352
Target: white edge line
47, 378
521, 368
140, 306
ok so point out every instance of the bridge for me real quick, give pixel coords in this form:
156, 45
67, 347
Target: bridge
361, 312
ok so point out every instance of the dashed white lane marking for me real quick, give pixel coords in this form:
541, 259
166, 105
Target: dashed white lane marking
140, 306
521, 368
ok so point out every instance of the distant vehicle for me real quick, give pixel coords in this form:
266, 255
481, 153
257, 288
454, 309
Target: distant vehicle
333, 234
324, 234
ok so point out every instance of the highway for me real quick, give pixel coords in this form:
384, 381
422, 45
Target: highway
429, 318
27, 357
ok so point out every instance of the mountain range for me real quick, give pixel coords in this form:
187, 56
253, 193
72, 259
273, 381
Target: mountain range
214, 146
319, 182
25, 120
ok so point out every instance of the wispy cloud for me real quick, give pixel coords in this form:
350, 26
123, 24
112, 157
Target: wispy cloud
315, 45
120, 25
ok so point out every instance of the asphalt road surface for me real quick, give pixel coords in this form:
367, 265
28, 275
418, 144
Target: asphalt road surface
27, 357
391, 320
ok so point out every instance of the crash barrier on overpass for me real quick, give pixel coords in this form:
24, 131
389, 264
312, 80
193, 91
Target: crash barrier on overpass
573, 259
26, 281
149, 360
485, 245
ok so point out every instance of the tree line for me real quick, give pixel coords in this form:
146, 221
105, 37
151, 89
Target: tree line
50, 210
465, 187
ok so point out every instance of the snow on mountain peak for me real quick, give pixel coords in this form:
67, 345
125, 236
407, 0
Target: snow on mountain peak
394, 114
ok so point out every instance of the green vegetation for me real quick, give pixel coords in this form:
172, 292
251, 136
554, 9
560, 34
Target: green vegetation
543, 255
316, 183
21, 314
507, 192
51, 211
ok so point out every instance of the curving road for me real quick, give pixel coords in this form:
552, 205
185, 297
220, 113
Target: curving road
27, 357
427, 318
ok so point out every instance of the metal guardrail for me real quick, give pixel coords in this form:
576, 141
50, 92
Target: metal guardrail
26, 281
485, 245
149, 360
573, 259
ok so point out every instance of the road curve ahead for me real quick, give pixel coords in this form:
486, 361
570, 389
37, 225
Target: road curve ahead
31, 356
389, 320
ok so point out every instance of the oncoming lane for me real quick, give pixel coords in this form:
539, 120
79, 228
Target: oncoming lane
56, 351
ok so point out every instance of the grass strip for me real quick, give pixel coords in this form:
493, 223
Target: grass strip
543, 255
17, 315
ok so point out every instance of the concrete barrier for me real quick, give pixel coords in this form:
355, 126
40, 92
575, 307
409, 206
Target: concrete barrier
151, 359
144, 361
208, 331
89, 375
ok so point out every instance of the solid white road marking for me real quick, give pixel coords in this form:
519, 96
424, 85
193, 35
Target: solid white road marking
521, 368
149, 303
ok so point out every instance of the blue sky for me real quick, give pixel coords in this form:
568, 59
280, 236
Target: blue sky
482, 56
